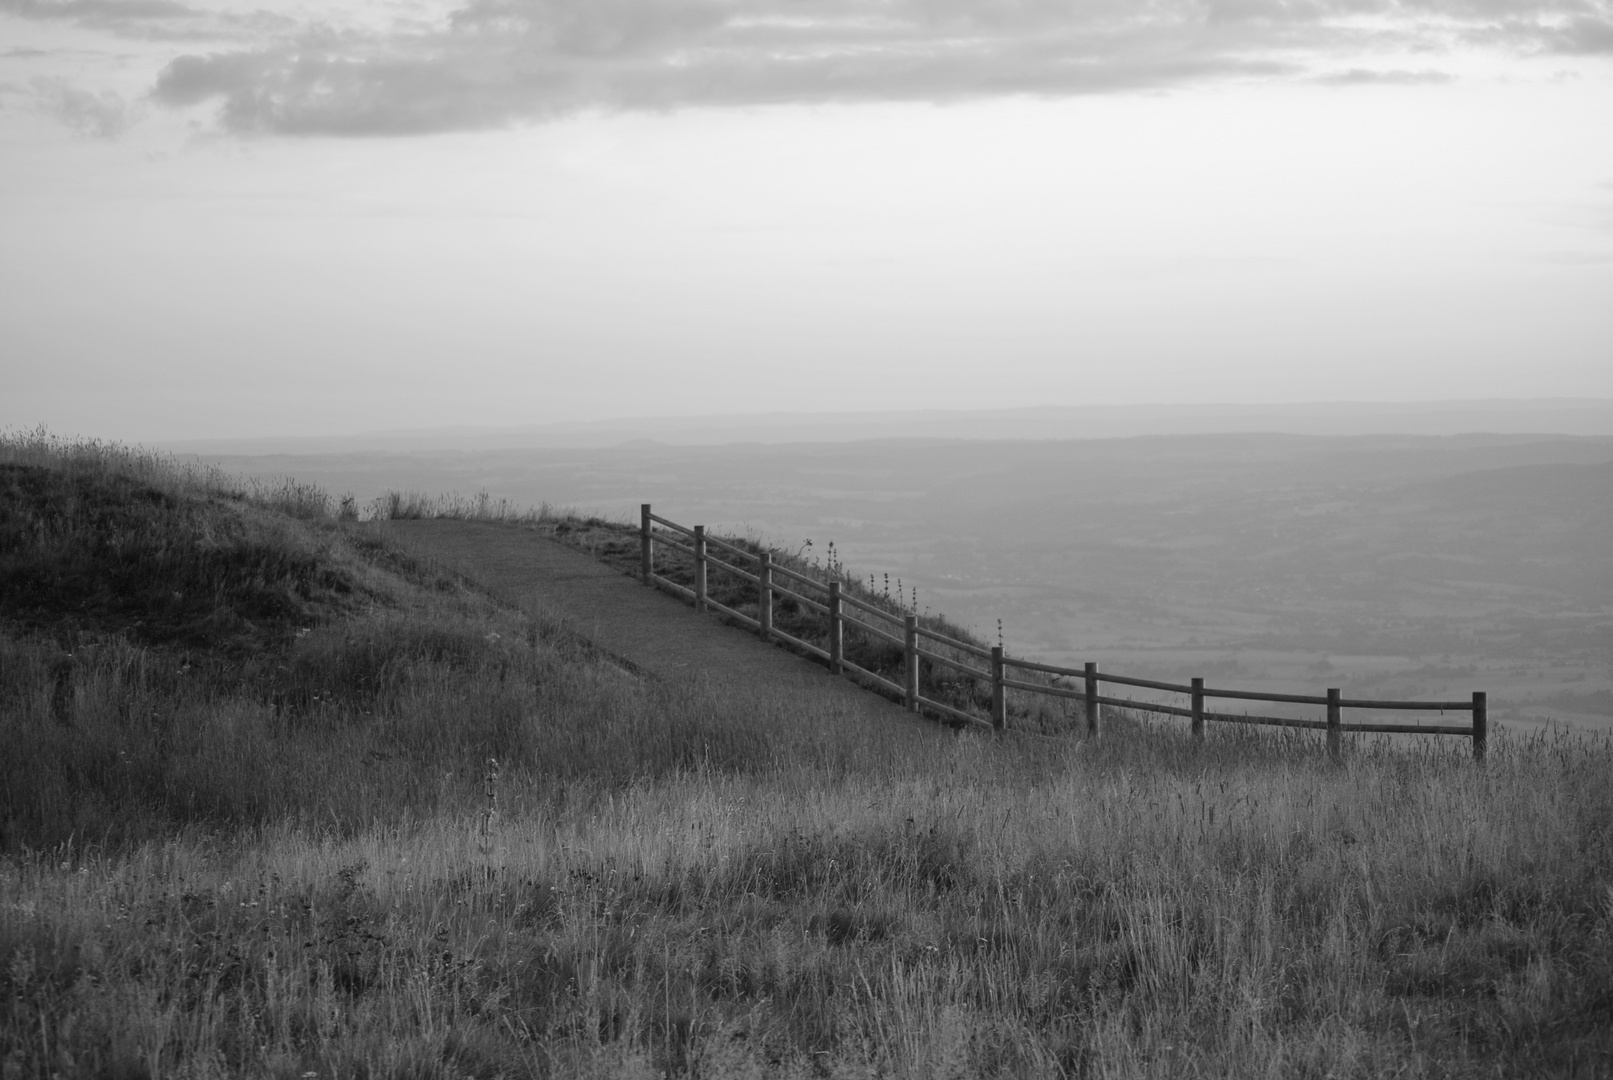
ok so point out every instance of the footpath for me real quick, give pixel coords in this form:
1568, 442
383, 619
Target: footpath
655, 633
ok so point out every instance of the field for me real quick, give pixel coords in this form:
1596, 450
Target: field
279, 800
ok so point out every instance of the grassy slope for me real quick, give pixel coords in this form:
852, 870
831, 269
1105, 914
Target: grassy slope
247, 831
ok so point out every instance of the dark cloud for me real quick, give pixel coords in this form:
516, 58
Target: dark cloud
496, 62
1582, 35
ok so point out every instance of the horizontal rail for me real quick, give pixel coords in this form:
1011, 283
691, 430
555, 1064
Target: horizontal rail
802, 600
735, 548
961, 646
680, 545
1265, 721
798, 643
1103, 676
936, 658
970, 718
1148, 706
1225, 718
1256, 695
1039, 688
1050, 669
1409, 729
743, 575
876, 631
1147, 684
665, 583
754, 624
880, 679
659, 520
1425, 706
863, 605
803, 578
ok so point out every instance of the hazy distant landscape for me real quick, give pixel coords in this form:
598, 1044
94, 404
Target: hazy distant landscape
1415, 566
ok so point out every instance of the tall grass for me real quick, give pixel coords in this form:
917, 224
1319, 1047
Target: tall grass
280, 862
969, 909
415, 506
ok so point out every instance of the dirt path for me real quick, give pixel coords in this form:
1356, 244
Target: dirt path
656, 633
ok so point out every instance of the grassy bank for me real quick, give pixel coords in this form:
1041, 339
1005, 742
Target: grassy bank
254, 830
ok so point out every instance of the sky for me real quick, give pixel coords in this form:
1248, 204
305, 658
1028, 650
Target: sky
233, 218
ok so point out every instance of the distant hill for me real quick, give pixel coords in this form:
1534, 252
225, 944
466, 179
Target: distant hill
1568, 491
1544, 416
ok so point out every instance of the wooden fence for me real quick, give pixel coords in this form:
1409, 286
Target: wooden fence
918, 643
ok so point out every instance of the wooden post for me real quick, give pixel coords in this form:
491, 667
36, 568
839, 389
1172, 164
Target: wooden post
1481, 723
700, 568
764, 596
1335, 732
1198, 708
837, 639
999, 692
910, 626
646, 552
1092, 697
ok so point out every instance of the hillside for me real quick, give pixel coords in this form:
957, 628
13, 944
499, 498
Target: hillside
280, 798
141, 601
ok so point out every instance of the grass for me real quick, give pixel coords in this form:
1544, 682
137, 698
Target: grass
285, 854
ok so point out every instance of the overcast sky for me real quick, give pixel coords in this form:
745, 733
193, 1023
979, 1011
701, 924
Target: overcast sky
233, 217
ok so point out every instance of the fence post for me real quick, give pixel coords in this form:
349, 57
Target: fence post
1198, 708
764, 596
1481, 723
646, 552
700, 568
837, 640
910, 627
1335, 731
1092, 697
999, 692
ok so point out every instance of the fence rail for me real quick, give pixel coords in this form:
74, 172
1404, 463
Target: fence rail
840, 610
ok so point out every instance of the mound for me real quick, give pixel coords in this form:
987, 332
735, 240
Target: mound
93, 550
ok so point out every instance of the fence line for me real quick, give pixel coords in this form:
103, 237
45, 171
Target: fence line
841, 609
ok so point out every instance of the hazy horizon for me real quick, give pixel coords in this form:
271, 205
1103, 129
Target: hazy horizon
1545, 416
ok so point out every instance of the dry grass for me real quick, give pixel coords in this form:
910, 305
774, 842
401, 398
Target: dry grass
970, 909
280, 863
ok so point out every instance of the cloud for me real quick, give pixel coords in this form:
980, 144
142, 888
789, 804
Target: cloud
1363, 77
114, 14
1582, 36
157, 20
496, 62
105, 115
